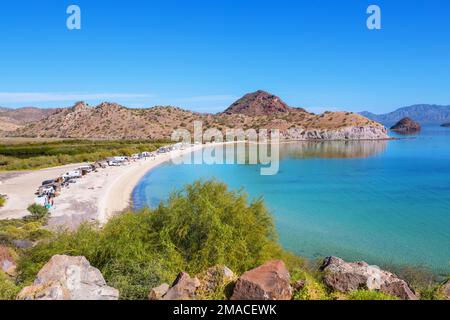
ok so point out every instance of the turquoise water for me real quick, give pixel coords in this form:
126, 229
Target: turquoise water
386, 202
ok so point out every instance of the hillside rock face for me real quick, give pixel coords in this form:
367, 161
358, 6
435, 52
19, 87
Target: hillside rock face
348, 133
68, 278
406, 125
270, 281
345, 277
258, 103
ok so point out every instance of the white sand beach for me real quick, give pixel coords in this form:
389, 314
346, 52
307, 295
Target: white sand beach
95, 197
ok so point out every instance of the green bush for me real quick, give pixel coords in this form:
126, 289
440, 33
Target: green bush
19, 229
2, 200
38, 212
8, 289
369, 295
41, 154
201, 226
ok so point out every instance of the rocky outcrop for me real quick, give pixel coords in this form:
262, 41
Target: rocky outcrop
159, 292
69, 278
370, 132
345, 277
406, 125
7, 262
183, 288
270, 281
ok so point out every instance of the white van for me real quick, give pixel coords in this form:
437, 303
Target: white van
72, 174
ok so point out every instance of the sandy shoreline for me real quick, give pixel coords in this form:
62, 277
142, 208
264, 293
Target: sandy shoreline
95, 197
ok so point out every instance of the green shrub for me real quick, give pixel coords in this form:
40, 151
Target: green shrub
18, 229
8, 289
198, 227
38, 212
313, 288
369, 295
2, 200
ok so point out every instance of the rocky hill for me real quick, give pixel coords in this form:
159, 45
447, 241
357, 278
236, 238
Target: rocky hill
406, 125
258, 103
422, 113
255, 110
13, 119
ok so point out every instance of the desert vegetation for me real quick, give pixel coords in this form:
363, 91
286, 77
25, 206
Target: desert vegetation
29, 154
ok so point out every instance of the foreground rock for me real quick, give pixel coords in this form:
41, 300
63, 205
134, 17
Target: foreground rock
446, 290
183, 288
345, 277
406, 125
270, 281
7, 263
159, 292
69, 278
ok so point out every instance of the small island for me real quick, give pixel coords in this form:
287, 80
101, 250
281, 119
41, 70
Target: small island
446, 125
406, 126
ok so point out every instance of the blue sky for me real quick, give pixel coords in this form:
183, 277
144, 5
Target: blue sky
202, 55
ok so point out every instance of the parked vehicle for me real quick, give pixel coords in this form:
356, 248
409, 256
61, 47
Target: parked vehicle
72, 174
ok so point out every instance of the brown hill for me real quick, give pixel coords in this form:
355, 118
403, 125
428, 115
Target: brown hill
257, 104
257, 110
12, 119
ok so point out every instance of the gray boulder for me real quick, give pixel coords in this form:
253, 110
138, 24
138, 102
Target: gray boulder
68, 278
271, 281
348, 276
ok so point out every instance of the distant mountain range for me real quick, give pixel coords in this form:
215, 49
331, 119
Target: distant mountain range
255, 110
421, 113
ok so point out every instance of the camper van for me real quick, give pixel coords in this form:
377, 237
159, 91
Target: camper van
72, 175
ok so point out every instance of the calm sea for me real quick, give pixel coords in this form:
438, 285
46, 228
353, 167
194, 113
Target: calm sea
386, 202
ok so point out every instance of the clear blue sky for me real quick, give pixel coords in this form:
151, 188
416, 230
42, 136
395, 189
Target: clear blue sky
202, 55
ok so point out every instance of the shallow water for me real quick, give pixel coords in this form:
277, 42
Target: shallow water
386, 202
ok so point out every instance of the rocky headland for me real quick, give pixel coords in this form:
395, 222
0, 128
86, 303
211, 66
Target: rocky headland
406, 126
